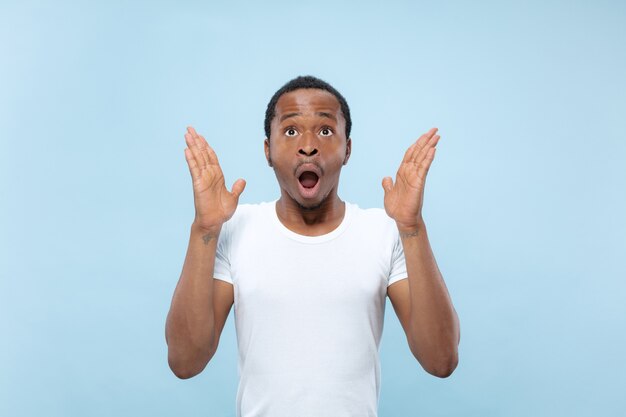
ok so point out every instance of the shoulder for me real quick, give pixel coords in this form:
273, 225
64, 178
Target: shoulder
374, 215
247, 214
374, 219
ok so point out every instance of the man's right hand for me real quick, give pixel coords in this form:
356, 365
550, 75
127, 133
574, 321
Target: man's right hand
213, 202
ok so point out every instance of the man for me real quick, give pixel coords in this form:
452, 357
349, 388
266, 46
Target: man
308, 273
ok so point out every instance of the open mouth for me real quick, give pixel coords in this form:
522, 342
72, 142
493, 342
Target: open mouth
308, 179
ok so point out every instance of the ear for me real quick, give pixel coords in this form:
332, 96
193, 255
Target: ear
266, 145
348, 151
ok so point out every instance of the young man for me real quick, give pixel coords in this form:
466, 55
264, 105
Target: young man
308, 273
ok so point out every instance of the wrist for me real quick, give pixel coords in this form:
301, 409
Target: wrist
411, 229
202, 229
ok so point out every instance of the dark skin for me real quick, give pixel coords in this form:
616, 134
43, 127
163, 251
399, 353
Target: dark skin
308, 139
309, 128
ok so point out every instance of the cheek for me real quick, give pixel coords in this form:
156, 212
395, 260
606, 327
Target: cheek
279, 151
282, 168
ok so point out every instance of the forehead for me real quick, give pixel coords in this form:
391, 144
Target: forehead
307, 100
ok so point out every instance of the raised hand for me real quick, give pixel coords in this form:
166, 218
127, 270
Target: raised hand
404, 199
213, 202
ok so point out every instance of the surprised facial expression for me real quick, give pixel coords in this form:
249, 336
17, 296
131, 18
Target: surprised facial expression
307, 146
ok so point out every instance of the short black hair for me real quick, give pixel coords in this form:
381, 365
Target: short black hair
306, 81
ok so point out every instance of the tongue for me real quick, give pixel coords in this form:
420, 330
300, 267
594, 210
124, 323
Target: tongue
308, 179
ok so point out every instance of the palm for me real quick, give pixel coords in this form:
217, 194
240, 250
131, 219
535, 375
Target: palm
404, 199
213, 202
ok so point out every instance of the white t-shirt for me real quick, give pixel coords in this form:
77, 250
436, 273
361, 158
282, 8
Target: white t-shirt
309, 310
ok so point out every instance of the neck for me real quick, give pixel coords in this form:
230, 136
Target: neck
312, 221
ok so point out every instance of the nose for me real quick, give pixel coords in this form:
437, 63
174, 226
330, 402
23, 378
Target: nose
307, 151
307, 146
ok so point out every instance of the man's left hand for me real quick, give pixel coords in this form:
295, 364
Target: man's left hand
404, 199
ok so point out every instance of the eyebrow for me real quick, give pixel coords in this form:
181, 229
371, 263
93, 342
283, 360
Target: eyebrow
288, 115
324, 114
319, 113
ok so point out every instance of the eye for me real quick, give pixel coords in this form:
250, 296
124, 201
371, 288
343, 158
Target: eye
290, 131
326, 131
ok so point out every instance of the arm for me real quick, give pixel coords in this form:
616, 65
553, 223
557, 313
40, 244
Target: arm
200, 306
190, 326
433, 326
422, 302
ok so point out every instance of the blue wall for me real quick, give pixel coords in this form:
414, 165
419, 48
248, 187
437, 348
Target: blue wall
524, 203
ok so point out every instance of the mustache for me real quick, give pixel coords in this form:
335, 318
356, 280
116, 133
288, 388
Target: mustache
308, 161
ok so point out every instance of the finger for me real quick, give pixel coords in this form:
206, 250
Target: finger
192, 131
426, 163
199, 147
207, 152
210, 153
422, 141
193, 165
192, 143
418, 155
194, 137
409, 152
387, 184
238, 187
189, 138
424, 151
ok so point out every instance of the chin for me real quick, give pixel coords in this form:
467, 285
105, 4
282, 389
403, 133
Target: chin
310, 204
310, 207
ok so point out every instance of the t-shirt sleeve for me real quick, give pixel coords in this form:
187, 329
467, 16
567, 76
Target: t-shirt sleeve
221, 270
398, 264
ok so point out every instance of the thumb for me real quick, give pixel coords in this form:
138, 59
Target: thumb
387, 184
238, 187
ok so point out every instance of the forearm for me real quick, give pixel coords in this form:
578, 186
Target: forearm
190, 326
434, 327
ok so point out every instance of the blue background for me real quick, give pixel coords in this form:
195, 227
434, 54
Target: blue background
524, 203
